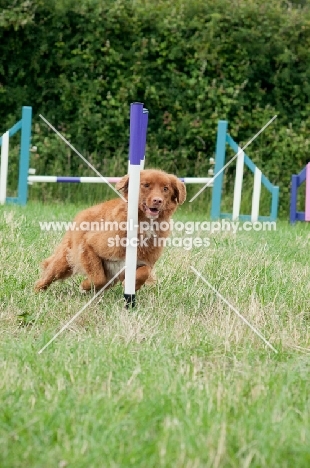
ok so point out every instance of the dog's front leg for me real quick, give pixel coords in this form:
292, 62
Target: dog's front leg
93, 268
142, 274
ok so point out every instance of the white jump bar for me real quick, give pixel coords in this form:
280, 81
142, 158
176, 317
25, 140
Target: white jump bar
98, 180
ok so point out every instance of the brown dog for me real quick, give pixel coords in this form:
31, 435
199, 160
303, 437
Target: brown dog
96, 247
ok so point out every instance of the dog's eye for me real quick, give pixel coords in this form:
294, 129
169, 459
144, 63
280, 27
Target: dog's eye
146, 185
166, 189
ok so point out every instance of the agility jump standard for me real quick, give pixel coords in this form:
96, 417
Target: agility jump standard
27, 176
297, 180
259, 179
24, 125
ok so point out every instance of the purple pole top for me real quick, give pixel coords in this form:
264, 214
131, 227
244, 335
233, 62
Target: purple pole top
145, 118
135, 142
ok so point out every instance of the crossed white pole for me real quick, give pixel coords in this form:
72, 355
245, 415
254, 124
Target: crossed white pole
138, 129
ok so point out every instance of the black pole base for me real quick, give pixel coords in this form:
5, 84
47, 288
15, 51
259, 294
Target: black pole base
130, 300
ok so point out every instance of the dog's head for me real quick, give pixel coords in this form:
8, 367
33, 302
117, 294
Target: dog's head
160, 193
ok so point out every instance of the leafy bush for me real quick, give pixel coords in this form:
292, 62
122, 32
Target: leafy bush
80, 64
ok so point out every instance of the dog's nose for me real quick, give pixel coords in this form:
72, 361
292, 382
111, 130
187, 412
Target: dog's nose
157, 201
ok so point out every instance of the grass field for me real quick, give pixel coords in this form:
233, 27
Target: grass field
180, 381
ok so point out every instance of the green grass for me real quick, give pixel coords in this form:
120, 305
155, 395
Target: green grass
180, 381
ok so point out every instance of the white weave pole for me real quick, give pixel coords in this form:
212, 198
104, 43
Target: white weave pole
4, 167
136, 154
238, 185
256, 194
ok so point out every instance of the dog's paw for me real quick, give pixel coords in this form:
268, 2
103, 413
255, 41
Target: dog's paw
85, 286
82, 291
39, 286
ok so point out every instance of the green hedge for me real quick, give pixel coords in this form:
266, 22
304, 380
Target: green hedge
80, 64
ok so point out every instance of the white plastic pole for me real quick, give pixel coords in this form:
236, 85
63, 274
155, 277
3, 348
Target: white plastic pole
256, 194
238, 185
136, 153
4, 167
112, 180
132, 233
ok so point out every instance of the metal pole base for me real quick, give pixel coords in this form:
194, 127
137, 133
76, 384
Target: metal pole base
130, 300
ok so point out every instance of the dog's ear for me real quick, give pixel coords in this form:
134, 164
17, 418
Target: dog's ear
122, 185
179, 189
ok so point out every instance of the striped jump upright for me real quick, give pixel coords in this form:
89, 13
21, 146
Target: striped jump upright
24, 125
297, 180
259, 179
4, 167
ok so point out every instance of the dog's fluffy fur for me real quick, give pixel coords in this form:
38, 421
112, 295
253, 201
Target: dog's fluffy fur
89, 253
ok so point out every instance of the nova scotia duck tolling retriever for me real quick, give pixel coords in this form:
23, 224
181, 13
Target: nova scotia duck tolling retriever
96, 245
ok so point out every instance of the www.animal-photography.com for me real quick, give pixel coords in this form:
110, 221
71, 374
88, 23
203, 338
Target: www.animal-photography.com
154, 234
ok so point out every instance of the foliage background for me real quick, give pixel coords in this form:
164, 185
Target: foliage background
80, 64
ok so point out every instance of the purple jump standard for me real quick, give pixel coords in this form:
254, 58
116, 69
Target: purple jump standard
297, 180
